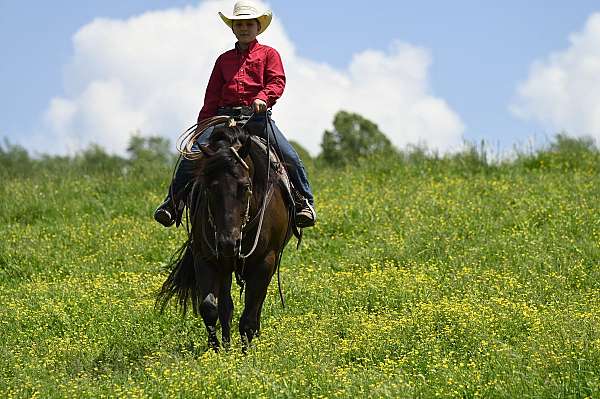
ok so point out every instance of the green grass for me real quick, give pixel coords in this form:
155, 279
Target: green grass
424, 277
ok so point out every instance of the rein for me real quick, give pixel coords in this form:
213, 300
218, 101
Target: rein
267, 196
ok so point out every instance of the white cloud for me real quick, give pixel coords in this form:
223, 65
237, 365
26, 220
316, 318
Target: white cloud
563, 90
149, 73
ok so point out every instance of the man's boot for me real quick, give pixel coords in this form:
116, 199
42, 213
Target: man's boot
305, 214
166, 213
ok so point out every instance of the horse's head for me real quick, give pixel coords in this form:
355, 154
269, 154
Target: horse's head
228, 182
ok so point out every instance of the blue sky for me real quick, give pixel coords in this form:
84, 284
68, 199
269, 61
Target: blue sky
480, 52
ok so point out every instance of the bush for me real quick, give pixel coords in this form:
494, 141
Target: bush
564, 153
95, 159
14, 159
471, 159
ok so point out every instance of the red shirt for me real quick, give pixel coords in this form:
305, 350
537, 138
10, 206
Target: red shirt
239, 77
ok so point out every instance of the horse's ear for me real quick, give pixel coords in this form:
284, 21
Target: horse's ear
206, 150
245, 148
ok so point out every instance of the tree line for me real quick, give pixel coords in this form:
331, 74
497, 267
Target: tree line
353, 138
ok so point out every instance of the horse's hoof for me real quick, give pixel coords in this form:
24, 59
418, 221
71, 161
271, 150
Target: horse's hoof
214, 345
226, 344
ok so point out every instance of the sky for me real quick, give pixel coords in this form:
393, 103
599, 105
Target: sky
431, 72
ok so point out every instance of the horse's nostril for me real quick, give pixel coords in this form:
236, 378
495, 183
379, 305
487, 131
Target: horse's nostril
228, 246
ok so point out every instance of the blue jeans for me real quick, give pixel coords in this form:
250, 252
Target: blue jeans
256, 126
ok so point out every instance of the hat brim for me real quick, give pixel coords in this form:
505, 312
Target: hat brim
264, 19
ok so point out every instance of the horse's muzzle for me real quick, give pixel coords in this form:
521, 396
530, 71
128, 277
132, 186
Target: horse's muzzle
228, 247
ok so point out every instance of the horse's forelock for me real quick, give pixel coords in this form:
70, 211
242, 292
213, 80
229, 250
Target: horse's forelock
228, 135
221, 139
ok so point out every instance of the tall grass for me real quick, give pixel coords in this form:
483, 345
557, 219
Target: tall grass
426, 275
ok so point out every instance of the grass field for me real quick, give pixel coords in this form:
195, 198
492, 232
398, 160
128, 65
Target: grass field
424, 277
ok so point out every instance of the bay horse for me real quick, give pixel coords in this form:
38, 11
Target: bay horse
240, 225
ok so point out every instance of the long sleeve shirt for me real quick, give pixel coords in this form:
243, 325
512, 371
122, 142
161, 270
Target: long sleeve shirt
239, 77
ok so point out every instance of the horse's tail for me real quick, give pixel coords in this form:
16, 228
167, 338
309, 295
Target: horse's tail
181, 282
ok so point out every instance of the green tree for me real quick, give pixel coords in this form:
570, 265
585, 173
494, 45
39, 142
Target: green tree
149, 149
352, 136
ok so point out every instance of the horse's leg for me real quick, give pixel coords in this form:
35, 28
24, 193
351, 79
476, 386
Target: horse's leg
208, 283
257, 332
226, 309
257, 282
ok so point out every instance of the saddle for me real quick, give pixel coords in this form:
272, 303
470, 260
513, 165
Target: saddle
283, 179
276, 165
243, 114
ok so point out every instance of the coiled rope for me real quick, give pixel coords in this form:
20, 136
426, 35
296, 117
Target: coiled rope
187, 140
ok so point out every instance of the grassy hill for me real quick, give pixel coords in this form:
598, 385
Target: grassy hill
425, 276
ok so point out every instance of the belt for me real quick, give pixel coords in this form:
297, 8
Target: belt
243, 111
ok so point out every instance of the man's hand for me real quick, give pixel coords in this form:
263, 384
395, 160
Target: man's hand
259, 106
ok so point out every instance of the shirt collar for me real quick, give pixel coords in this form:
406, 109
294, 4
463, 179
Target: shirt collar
251, 46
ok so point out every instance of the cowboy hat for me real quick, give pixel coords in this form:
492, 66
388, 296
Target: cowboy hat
244, 9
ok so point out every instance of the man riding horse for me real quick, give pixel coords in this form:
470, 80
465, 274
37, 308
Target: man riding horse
245, 83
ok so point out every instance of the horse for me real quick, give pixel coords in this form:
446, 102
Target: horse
240, 224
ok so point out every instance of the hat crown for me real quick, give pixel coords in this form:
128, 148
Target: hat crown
245, 8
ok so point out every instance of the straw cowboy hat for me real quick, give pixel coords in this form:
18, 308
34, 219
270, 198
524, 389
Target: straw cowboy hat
244, 9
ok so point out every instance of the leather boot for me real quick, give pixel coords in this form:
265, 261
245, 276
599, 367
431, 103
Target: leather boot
165, 214
305, 214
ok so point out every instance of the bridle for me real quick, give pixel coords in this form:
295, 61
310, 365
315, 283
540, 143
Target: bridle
245, 217
246, 224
